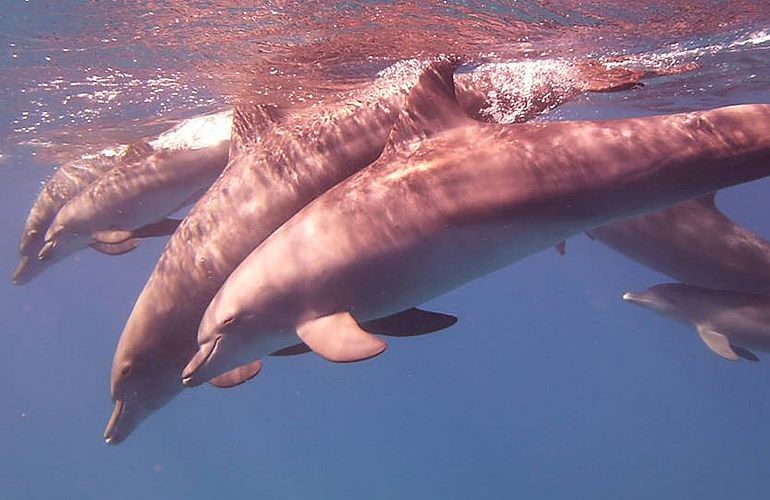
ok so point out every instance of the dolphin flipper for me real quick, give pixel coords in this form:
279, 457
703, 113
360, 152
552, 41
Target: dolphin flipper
237, 376
409, 323
717, 343
338, 337
115, 248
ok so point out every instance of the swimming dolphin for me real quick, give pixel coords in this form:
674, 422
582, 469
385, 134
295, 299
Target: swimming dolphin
131, 200
450, 200
729, 322
694, 243
278, 163
66, 182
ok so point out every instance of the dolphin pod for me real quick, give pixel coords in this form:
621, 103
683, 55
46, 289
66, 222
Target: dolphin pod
112, 225
730, 323
64, 185
279, 161
131, 200
451, 199
110, 201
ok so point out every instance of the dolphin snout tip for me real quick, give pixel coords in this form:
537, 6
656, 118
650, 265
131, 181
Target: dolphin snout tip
193, 375
112, 433
628, 296
20, 276
47, 249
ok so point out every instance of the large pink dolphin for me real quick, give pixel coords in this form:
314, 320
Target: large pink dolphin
450, 200
279, 163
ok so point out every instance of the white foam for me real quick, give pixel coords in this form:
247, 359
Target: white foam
197, 132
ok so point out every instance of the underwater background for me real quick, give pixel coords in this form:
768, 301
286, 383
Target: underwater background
549, 386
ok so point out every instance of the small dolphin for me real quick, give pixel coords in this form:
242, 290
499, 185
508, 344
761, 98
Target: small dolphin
696, 244
729, 322
66, 182
278, 163
450, 200
131, 200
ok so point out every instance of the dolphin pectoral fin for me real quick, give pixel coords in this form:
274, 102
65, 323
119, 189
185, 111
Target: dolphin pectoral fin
111, 236
717, 343
409, 323
292, 350
163, 227
561, 247
338, 337
237, 376
115, 248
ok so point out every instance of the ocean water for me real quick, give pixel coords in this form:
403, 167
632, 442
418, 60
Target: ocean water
549, 386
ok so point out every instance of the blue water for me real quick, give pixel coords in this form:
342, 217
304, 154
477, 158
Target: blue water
549, 386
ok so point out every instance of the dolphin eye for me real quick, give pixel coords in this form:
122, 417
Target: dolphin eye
229, 321
126, 370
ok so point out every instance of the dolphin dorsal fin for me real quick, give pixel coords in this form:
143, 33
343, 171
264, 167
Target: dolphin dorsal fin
249, 122
136, 151
431, 106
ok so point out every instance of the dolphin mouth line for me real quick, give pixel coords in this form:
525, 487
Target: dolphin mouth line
188, 379
117, 416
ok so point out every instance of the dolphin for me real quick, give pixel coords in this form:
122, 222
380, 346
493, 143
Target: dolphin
278, 163
696, 244
66, 182
451, 199
729, 322
131, 200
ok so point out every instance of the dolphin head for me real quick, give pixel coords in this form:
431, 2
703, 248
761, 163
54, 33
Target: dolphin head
669, 299
61, 240
230, 336
145, 376
223, 345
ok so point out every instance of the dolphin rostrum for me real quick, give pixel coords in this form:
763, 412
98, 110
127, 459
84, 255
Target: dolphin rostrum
450, 200
278, 163
131, 200
729, 322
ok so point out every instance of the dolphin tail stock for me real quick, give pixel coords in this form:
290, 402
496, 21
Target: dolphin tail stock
721, 346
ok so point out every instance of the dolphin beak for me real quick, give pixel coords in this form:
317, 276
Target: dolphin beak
636, 298
112, 435
194, 373
20, 275
47, 249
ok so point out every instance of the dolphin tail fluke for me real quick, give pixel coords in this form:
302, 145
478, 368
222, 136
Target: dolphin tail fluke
338, 338
237, 376
410, 323
718, 343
